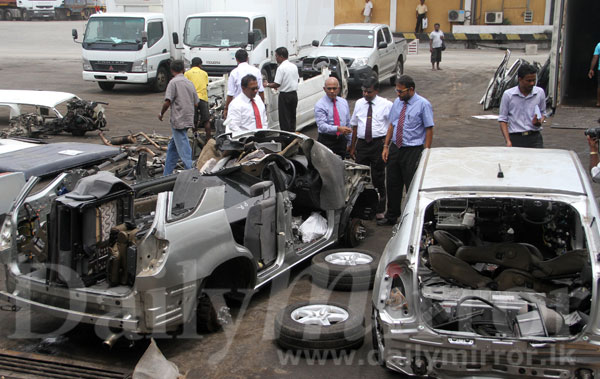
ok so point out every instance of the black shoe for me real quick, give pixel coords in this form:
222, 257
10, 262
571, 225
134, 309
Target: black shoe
386, 221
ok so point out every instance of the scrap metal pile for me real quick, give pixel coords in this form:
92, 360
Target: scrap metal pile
82, 116
505, 78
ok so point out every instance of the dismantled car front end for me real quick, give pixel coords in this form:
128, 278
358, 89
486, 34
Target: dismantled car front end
488, 275
139, 258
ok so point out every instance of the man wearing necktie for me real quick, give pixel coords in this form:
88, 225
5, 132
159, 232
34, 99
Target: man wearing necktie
247, 111
410, 130
369, 128
332, 115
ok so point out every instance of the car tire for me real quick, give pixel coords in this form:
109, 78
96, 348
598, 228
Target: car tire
345, 269
106, 86
206, 315
398, 72
319, 326
355, 233
162, 79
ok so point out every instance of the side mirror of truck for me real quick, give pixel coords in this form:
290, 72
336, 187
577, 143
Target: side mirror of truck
251, 38
144, 36
175, 38
74, 33
315, 43
382, 45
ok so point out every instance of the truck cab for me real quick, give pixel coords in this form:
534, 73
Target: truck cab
216, 36
127, 48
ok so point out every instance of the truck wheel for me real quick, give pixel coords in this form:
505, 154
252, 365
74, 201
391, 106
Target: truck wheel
2, 15
25, 15
8, 16
319, 326
85, 14
106, 86
161, 80
398, 71
345, 269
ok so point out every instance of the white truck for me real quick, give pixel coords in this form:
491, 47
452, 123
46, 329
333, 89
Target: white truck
133, 42
260, 26
28, 9
367, 49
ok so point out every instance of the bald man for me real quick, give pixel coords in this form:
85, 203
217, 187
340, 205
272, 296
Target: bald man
332, 115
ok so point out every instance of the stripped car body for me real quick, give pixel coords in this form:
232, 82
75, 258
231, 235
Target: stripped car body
99, 251
493, 268
33, 113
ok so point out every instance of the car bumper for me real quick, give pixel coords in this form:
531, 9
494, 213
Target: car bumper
116, 77
358, 75
419, 351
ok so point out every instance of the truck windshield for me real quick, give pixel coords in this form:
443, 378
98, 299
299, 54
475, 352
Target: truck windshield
349, 38
114, 33
216, 31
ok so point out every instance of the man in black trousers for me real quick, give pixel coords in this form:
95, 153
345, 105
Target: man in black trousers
286, 81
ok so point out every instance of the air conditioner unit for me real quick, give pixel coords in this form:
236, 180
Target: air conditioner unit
456, 15
494, 17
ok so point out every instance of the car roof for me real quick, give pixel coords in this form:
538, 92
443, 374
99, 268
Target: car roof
42, 98
359, 26
523, 170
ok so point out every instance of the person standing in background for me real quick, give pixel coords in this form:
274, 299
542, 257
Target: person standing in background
593, 71
436, 41
421, 14
286, 80
234, 84
367, 11
199, 78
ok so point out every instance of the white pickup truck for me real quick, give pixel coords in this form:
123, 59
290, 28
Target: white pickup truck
367, 49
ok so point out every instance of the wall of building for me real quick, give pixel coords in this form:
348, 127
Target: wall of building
351, 10
347, 11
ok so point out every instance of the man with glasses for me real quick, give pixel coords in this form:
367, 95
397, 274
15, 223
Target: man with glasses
247, 111
332, 115
369, 127
234, 87
410, 130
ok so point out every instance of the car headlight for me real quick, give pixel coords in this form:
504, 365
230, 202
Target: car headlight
360, 62
6, 235
140, 65
87, 65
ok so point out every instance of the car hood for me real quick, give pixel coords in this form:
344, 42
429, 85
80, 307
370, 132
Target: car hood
344, 52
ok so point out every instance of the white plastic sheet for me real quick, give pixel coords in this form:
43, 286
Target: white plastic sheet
314, 227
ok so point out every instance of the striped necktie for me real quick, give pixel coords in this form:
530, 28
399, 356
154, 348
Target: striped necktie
400, 126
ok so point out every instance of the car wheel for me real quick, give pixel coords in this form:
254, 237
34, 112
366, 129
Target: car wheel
206, 315
345, 269
106, 86
319, 326
355, 233
398, 71
161, 80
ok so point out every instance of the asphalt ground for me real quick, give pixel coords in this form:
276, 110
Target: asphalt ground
41, 55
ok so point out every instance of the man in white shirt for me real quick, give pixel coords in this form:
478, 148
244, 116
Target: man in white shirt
247, 111
367, 11
436, 41
234, 87
369, 127
286, 80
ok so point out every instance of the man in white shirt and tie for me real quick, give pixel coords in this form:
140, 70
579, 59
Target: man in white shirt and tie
369, 127
286, 80
247, 111
234, 87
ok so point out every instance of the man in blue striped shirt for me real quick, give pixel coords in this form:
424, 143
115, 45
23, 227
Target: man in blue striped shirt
410, 131
332, 115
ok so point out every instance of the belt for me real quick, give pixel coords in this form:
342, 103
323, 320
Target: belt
527, 133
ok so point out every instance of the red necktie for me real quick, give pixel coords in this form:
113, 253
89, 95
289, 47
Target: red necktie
400, 126
369, 126
336, 117
256, 115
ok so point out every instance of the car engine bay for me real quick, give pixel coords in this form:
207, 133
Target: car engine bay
505, 268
